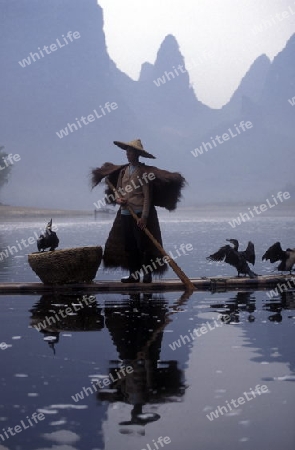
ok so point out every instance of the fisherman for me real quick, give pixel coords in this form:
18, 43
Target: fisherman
136, 191
141, 188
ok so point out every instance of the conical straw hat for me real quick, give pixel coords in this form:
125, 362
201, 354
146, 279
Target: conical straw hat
135, 145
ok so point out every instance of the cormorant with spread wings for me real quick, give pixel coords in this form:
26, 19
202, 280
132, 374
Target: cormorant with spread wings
237, 259
276, 253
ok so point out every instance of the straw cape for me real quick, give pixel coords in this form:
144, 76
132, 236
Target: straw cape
165, 191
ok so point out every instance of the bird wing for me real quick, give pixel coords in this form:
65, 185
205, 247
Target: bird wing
54, 239
289, 260
249, 253
40, 241
274, 253
221, 254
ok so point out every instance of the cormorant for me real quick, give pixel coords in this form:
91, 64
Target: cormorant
275, 253
237, 259
48, 240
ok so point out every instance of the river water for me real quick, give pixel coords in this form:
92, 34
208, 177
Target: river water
209, 371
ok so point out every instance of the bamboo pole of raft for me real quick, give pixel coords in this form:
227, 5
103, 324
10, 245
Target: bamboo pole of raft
182, 276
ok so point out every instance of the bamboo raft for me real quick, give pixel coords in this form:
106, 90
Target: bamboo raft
215, 284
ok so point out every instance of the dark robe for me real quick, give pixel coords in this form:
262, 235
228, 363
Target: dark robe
165, 192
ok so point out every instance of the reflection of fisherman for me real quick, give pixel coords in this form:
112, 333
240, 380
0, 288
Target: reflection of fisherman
142, 188
132, 329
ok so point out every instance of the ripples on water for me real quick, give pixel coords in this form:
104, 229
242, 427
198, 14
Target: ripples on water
170, 392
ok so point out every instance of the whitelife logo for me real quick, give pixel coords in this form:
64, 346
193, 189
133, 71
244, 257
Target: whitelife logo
63, 313
33, 57
149, 268
168, 76
9, 160
4, 346
245, 217
238, 402
273, 20
198, 332
90, 118
205, 146
282, 287
124, 371
166, 440
12, 431
146, 178
19, 246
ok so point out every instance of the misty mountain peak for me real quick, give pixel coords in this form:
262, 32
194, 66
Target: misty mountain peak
251, 86
169, 54
146, 72
253, 82
279, 85
169, 42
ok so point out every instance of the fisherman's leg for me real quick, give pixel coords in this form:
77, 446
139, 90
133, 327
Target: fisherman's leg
131, 249
148, 267
144, 256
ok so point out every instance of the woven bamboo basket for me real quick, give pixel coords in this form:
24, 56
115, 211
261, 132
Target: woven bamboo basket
73, 265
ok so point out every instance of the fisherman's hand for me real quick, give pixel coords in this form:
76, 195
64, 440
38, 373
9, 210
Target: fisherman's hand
121, 201
141, 223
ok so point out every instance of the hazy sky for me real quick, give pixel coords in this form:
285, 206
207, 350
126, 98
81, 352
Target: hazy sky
218, 38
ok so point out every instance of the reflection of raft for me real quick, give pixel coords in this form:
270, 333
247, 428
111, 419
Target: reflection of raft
74, 265
283, 282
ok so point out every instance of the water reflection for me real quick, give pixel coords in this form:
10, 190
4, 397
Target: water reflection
55, 313
231, 309
286, 300
242, 302
131, 330
136, 326
273, 347
137, 329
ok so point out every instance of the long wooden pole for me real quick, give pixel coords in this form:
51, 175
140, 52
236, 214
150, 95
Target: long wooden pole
186, 281
175, 309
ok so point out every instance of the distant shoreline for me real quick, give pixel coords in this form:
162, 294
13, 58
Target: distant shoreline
21, 212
